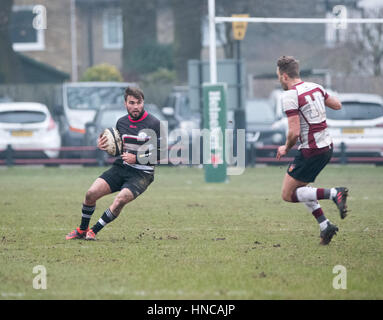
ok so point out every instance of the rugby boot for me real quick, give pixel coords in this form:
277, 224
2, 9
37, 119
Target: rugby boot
90, 235
77, 234
340, 201
327, 234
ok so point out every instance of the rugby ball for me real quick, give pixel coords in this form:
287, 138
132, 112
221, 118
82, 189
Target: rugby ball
114, 142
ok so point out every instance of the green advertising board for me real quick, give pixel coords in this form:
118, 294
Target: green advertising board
214, 120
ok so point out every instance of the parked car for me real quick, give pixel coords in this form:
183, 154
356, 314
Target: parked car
107, 117
178, 112
259, 132
275, 98
80, 102
181, 118
5, 99
259, 118
155, 111
28, 125
359, 124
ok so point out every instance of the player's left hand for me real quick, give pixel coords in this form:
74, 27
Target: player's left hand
282, 151
129, 157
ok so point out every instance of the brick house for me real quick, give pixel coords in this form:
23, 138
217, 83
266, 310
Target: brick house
92, 34
78, 34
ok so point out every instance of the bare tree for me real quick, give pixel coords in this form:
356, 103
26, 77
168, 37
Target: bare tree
10, 70
187, 34
140, 28
367, 43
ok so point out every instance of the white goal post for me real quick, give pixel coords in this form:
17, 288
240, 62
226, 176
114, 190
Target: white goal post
213, 20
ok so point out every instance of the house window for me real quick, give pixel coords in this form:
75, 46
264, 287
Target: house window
24, 36
112, 28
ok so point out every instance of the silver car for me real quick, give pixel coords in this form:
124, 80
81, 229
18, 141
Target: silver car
359, 124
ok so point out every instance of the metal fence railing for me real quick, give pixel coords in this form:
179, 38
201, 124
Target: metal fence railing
77, 155
90, 155
342, 155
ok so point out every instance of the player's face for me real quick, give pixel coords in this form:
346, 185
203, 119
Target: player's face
134, 106
282, 80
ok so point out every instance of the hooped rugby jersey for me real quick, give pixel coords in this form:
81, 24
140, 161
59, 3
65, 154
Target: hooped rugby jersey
307, 99
141, 137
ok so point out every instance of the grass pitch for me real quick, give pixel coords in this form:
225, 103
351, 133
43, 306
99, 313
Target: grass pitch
187, 239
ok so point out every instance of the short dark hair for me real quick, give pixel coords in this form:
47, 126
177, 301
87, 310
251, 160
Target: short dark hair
135, 92
288, 65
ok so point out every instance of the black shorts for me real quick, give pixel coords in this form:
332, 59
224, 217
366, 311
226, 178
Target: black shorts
122, 176
307, 169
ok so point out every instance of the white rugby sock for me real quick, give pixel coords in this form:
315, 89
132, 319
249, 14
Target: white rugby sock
306, 194
316, 210
312, 205
333, 193
323, 225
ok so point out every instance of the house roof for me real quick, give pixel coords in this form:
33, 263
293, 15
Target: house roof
39, 72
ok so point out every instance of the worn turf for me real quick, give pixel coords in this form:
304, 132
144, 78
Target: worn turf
187, 239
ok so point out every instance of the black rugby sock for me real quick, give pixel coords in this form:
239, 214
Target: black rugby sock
87, 212
106, 218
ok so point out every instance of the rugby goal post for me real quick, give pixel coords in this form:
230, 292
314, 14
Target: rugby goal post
341, 19
217, 173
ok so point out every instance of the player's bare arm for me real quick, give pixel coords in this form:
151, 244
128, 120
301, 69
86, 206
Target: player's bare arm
333, 103
292, 136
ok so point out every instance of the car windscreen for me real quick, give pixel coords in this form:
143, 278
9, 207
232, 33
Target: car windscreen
184, 107
356, 111
109, 118
92, 98
259, 111
22, 116
155, 112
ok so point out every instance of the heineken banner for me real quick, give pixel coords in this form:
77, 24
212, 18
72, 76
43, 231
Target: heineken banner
214, 117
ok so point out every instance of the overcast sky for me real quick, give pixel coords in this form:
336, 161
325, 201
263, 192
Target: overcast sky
371, 3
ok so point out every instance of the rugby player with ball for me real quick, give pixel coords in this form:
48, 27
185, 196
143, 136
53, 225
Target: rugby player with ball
136, 142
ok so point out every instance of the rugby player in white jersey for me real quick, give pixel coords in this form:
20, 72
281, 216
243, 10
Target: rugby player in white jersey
304, 104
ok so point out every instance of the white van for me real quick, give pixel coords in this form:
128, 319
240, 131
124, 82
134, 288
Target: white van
80, 102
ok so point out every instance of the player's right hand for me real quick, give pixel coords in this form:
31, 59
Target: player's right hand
281, 152
129, 157
102, 142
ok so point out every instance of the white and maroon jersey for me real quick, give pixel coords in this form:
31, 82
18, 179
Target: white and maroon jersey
306, 99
